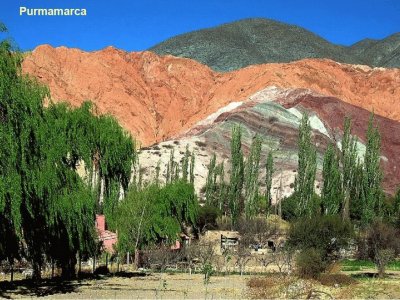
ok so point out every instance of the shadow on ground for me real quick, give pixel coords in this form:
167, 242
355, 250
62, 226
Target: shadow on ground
48, 287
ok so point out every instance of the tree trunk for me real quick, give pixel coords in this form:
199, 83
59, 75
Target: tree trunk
127, 258
381, 270
102, 186
137, 259
52, 268
37, 271
12, 273
68, 268
94, 264
80, 265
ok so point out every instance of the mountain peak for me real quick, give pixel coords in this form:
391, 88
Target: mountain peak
238, 44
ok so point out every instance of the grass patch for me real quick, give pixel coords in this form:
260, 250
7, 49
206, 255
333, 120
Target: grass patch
361, 265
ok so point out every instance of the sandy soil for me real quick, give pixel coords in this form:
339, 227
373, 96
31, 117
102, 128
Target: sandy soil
185, 286
155, 286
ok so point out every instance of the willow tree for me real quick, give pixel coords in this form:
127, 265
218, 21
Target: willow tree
155, 214
47, 205
307, 166
114, 153
251, 173
236, 204
331, 194
10, 178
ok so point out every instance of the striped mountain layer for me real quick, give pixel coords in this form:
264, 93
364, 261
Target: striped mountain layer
158, 98
274, 114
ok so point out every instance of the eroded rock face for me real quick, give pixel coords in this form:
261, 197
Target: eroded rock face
158, 97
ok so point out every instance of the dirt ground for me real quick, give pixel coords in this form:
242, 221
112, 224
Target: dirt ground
185, 286
154, 286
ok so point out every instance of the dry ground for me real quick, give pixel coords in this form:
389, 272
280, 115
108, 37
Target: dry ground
185, 286
160, 286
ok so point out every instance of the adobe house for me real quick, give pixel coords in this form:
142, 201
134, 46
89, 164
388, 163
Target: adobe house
108, 238
221, 239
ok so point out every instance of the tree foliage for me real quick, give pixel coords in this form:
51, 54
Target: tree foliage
237, 175
251, 174
269, 171
331, 195
307, 166
46, 209
372, 193
155, 214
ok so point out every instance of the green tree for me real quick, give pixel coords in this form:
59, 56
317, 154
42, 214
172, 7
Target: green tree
269, 171
192, 165
325, 235
237, 175
307, 166
372, 193
251, 173
155, 214
47, 205
185, 164
350, 169
211, 183
331, 194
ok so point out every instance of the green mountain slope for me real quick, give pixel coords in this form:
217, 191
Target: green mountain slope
254, 41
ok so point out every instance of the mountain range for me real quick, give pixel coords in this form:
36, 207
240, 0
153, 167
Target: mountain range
257, 41
168, 101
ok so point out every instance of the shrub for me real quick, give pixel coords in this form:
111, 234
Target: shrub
380, 243
326, 233
290, 203
336, 279
310, 263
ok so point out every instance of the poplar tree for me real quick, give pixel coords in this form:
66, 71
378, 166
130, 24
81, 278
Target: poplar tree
192, 165
331, 194
211, 180
185, 164
349, 167
372, 193
237, 173
158, 168
252, 170
307, 166
269, 171
222, 193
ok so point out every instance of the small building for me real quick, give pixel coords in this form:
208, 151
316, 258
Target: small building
221, 239
108, 238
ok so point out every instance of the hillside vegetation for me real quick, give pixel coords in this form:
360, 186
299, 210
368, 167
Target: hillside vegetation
256, 41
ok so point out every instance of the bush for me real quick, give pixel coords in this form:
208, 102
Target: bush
310, 263
289, 205
336, 279
379, 243
328, 234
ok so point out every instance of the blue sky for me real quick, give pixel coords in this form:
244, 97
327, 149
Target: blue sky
138, 24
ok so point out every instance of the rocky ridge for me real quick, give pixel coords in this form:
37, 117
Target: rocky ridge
158, 97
